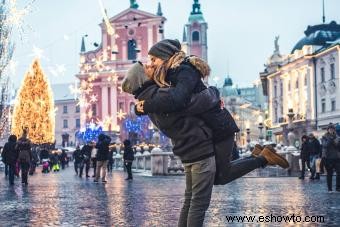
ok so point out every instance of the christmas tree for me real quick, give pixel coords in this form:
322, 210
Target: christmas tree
34, 107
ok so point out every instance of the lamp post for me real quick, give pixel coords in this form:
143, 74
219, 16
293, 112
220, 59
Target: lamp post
248, 134
260, 119
291, 135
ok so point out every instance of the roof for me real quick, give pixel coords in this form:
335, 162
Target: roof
61, 92
319, 35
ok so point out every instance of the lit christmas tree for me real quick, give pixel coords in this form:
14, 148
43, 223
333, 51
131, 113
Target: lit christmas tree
34, 107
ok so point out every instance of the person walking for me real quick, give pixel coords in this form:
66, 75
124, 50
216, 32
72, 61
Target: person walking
331, 146
192, 138
63, 159
304, 156
10, 155
86, 159
25, 155
102, 156
128, 158
94, 158
77, 157
314, 148
110, 161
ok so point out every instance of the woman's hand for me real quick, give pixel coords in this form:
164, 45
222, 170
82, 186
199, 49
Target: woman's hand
149, 71
140, 106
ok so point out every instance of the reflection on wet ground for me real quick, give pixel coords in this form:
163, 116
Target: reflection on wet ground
63, 199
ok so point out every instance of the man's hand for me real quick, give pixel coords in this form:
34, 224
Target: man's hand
140, 106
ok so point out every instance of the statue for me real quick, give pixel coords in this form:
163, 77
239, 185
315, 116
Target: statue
133, 4
276, 43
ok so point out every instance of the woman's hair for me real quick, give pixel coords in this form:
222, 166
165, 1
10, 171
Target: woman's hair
175, 61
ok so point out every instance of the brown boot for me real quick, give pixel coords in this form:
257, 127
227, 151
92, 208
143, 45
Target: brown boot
269, 153
257, 150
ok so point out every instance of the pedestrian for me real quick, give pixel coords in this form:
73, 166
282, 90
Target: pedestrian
304, 156
78, 158
55, 161
193, 139
102, 156
9, 157
94, 158
110, 161
128, 158
314, 148
25, 155
86, 159
63, 158
331, 146
3, 160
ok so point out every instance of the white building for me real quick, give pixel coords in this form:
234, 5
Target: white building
306, 81
247, 115
67, 120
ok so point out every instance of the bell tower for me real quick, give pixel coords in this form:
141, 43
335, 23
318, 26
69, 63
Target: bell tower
195, 33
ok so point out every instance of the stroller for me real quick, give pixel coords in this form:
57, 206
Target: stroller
45, 166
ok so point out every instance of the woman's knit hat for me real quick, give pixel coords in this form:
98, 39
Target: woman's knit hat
165, 49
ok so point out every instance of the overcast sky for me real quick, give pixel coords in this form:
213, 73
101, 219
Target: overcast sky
240, 32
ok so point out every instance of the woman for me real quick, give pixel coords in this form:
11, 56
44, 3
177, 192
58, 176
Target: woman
169, 67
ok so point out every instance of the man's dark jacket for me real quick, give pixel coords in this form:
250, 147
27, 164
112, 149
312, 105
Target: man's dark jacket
103, 147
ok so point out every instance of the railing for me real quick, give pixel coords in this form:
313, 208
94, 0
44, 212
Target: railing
156, 163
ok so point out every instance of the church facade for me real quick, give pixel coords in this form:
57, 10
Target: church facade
102, 70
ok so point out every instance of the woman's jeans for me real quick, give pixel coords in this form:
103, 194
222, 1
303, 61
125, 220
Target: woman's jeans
199, 183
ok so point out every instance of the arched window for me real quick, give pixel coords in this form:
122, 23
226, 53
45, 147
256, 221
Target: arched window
195, 36
131, 49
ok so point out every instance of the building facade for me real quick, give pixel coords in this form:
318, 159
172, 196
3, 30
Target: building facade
305, 83
126, 38
67, 117
247, 115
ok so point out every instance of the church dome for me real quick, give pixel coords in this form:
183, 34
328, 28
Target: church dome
228, 82
319, 35
228, 89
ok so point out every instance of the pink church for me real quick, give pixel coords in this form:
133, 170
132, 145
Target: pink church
103, 69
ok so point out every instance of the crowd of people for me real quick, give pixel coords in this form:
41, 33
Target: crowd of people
320, 156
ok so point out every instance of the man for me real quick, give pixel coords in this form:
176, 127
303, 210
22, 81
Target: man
314, 149
128, 158
331, 145
304, 156
25, 155
10, 156
102, 157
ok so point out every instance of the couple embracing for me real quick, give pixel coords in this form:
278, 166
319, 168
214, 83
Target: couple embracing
171, 91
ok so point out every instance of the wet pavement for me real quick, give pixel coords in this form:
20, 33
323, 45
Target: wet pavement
63, 199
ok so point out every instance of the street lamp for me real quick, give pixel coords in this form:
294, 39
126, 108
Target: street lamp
260, 120
248, 134
291, 135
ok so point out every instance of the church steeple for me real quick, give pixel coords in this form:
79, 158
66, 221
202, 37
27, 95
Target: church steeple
184, 35
159, 10
82, 48
196, 8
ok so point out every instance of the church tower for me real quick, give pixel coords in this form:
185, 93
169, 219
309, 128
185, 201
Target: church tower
195, 33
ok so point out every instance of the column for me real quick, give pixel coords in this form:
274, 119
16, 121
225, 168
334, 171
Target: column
150, 37
113, 105
104, 101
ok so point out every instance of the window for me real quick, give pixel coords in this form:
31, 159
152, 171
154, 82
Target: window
281, 89
132, 49
322, 73
65, 125
275, 114
121, 106
297, 84
275, 91
332, 71
305, 80
94, 110
323, 105
77, 123
333, 104
64, 109
77, 109
195, 36
288, 85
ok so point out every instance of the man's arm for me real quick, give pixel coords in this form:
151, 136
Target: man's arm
178, 97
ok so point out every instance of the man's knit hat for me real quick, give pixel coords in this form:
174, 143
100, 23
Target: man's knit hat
165, 49
134, 79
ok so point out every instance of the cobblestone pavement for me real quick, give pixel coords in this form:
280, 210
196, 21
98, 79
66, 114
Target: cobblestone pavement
63, 199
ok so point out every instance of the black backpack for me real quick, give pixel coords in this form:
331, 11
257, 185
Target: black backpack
24, 156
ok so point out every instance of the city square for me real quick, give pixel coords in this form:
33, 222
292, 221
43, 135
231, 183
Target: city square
169, 113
